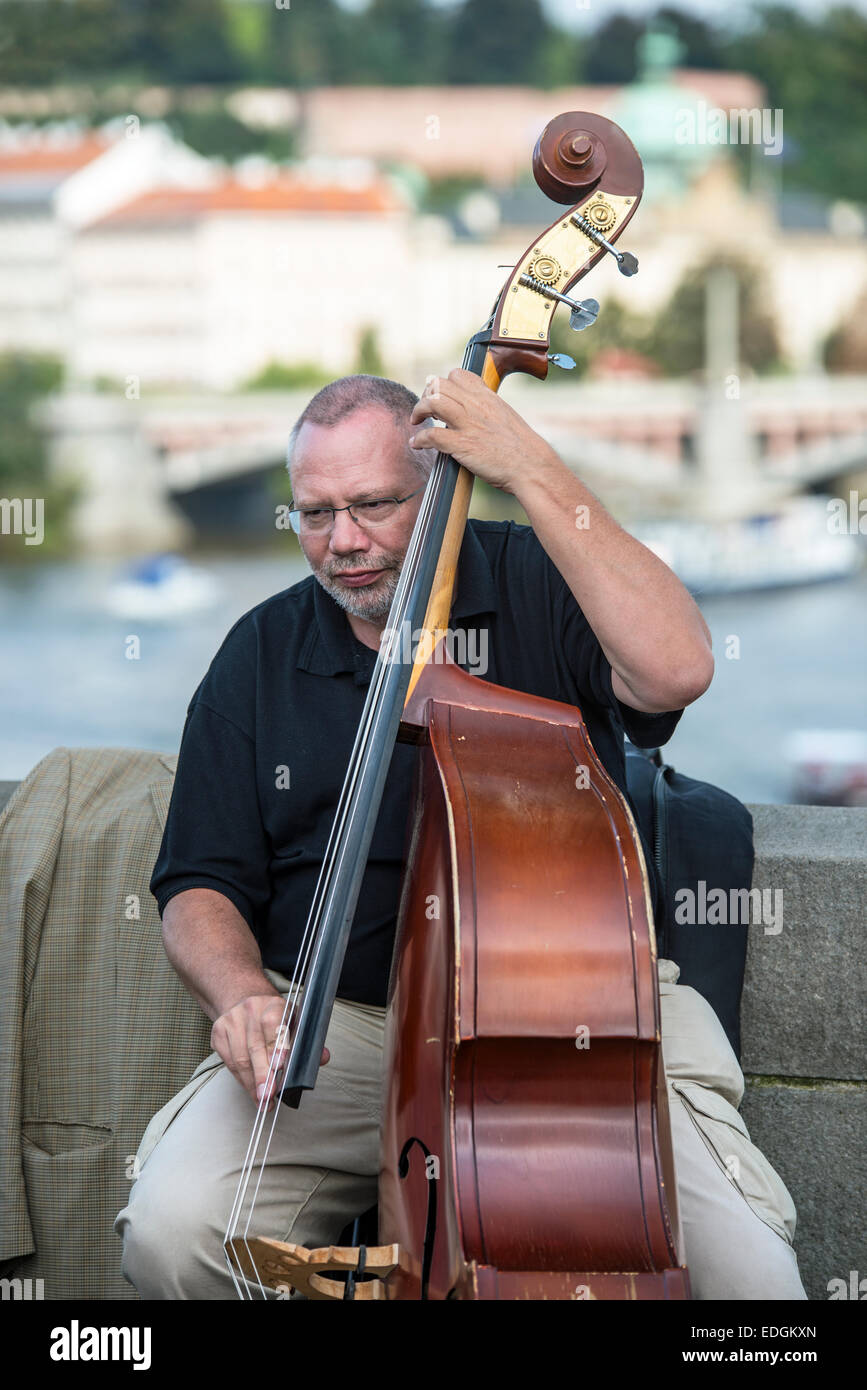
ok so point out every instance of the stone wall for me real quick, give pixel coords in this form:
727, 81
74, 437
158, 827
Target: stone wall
803, 1021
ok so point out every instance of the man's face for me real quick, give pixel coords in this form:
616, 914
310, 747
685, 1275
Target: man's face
361, 458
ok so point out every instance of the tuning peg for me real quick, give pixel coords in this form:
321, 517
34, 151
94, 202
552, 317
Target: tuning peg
561, 359
627, 264
585, 313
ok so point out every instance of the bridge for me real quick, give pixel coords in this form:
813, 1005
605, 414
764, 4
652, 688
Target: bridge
155, 469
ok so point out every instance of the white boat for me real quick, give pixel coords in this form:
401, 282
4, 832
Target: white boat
162, 587
791, 545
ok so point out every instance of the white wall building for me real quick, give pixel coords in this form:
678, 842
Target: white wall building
53, 182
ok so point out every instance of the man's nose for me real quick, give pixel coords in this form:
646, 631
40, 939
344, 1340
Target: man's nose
347, 535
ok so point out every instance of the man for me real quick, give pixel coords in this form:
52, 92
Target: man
574, 609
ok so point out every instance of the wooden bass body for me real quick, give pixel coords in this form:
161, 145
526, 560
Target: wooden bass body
526, 1142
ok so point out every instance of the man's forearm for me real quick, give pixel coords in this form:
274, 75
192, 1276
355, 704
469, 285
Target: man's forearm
213, 950
648, 626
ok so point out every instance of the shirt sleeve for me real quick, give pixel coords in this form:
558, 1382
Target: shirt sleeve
214, 836
591, 669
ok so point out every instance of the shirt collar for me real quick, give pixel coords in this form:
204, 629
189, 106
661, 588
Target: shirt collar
331, 646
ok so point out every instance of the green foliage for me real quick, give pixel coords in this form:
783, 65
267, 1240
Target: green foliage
616, 327
495, 40
283, 376
214, 131
24, 380
676, 340
814, 72
400, 37
149, 39
369, 360
610, 55
673, 339
444, 194
247, 31
701, 44
811, 63
42, 43
315, 43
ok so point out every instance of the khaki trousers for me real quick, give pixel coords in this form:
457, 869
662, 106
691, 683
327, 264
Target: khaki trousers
738, 1218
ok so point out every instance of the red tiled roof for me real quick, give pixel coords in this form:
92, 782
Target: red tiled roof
725, 89
280, 195
46, 157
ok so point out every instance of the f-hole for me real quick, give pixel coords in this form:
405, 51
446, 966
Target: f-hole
430, 1229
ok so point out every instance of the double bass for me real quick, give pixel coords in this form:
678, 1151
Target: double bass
526, 1142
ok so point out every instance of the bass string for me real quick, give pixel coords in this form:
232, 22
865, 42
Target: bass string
416, 552
333, 857
418, 547
307, 942
409, 571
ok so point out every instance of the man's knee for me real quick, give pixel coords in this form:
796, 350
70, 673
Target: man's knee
173, 1240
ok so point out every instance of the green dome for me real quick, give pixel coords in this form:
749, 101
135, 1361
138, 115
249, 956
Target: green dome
659, 116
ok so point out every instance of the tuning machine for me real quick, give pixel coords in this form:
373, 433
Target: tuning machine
584, 314
627, 264
584, 311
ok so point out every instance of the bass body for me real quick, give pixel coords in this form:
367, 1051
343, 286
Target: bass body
526, 1145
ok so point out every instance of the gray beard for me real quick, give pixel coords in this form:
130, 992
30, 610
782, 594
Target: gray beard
372, 604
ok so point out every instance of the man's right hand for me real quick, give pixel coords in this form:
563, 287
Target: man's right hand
247, 1035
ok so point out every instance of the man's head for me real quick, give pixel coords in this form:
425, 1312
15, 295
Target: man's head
350, 444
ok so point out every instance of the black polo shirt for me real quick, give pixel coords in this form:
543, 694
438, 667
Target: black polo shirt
270, 729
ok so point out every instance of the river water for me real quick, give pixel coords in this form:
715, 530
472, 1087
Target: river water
66, 678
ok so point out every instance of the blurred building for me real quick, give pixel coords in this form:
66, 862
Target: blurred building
54, 182
207, 286
487, 132
133, 257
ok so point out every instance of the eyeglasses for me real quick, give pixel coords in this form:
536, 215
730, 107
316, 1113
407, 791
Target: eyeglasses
312, 520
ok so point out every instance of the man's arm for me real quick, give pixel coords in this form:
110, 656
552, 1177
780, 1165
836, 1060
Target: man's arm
648, 626
216, 956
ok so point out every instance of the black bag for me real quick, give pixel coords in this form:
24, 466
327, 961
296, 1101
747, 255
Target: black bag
696, 833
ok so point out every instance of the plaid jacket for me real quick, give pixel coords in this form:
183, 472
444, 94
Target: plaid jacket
96, 1030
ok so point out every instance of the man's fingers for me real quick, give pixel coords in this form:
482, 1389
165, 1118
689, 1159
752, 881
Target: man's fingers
254, 1041
441, 393
443, 440
232, 1047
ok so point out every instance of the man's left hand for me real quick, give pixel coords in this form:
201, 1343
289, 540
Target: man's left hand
482, 431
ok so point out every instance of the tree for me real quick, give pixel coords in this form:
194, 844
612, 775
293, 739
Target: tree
610, 53
702, 44
616, 327
369, 359
676, 340
814, 72
496, 41
312, 44
400, 42
24, 379
186, 42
